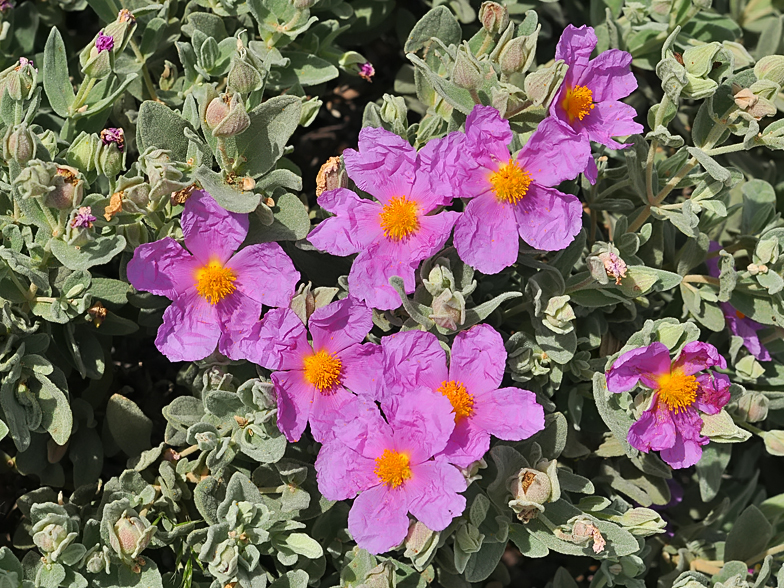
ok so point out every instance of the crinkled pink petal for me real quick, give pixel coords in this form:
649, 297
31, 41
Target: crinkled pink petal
326, 409
433, 493
467, 444
265, 273
362, 428
548, 219
384, 166
422, 423
554, 153
478, 359
697, 356
486, 235
654, 429
644, 364
713, 393
278, 342
607, 120
575, 47
447, 162
487, 133
354, 228
511, 414
238, 315
591, 172
746, 329
687, 450
412, 359
339, 324
190, 329
609, 76
342, 473
211, 232
368, 279
378, 520
163, 268
295, 402
363, 369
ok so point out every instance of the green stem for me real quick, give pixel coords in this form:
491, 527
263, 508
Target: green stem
580, 285
696, 279
658, 121
663, 193
726, 149
148, 83
84, 90
612, 189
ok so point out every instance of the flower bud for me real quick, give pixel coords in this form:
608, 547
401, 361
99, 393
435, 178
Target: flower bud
514, 57
771, 67
774, 442
163, 175
530, 489
224, 565
494, 17
558, 315
614, 266
636, 12
110, 160
421, 542
81, 154
468, 538
440, 278
206, 440
98, 561
331, 176
367, 71
96, 63
19, 144
135, 193
131, 535
226, 116
53, 529
449, 310
68, 189
49, 537
35, 180
49, 140
21, 80
243, 76
121, 30
394, 111
466, 74
753, 407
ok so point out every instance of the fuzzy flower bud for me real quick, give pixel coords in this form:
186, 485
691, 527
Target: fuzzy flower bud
21, 81
81, 154
421, 542
466, 74
49, 140
110, 159
440, 278
530, 489
226, 116
514, 57
494, 17
449, 310
131, 535
120, 30
35, 180
243, 76
367, 71
53, 529
98, 561
558, 315
68, 189
614, 266
19, 144
753, 407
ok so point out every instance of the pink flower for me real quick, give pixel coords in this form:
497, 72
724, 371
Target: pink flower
512, 197
113, 135
367, 71
84, 218
390, 465
672, 423
312, 378
737, 322
391, 235
216, 296
104, 42
414, 359
588, 100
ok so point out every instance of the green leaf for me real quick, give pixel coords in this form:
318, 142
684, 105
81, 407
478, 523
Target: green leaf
57, 84
710, 469
229, 198
291, 222
3, 430
612, 414
271, 126
160, 127
749, 535
98, 252
528, 545
129, 426
722, 429
439, 23
56, 411
304, 545
305, 69
109, 290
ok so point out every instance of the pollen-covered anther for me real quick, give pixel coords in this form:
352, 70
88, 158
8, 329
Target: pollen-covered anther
392, 468
214, 282
399, 218
323, 370
677, 390
578, 102
462, 401
511, 182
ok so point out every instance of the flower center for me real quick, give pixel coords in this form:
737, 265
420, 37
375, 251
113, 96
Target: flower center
677, 390
399, 218
510, 183
323, 370
462, 401
392, 468
214, 282
578, 102
740, 315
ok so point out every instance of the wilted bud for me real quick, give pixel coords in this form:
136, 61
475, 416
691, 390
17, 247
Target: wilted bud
753, 407
558, 315
449, 310
68, 189
19, 144
98, 561
367, 71
131, 535
516, 55
494, 17
120, 31
331, 176
134, 194
226, 116
97, 312
530, 489
81, 154
382, 576
83, 218
97, 59
614, 266
243, 76
771, 67
466, 74
584, 531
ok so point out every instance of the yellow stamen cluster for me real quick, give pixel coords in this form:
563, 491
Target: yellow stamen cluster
214, 282
323, 370
677, 390
462, 401
578, 102
399, 218
392, 468
510, 183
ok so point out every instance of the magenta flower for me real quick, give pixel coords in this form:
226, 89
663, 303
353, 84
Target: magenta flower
739, 325
216, 297
367, 71
390, 465
84, 218
588, 100
113, 135
672, 423
512, 197
104, 42
312, 378
394, 234
414, 359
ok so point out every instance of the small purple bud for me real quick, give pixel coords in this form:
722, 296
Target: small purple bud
104, 42
367, 71
6, 5
113, 135
83, 219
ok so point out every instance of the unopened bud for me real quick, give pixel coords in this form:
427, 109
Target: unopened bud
243, 77
449, 310
774, 442
19, 144
131, 535
68, 189
530, 489
465, 73
226, 116
494, 17
81, 154
753, 407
